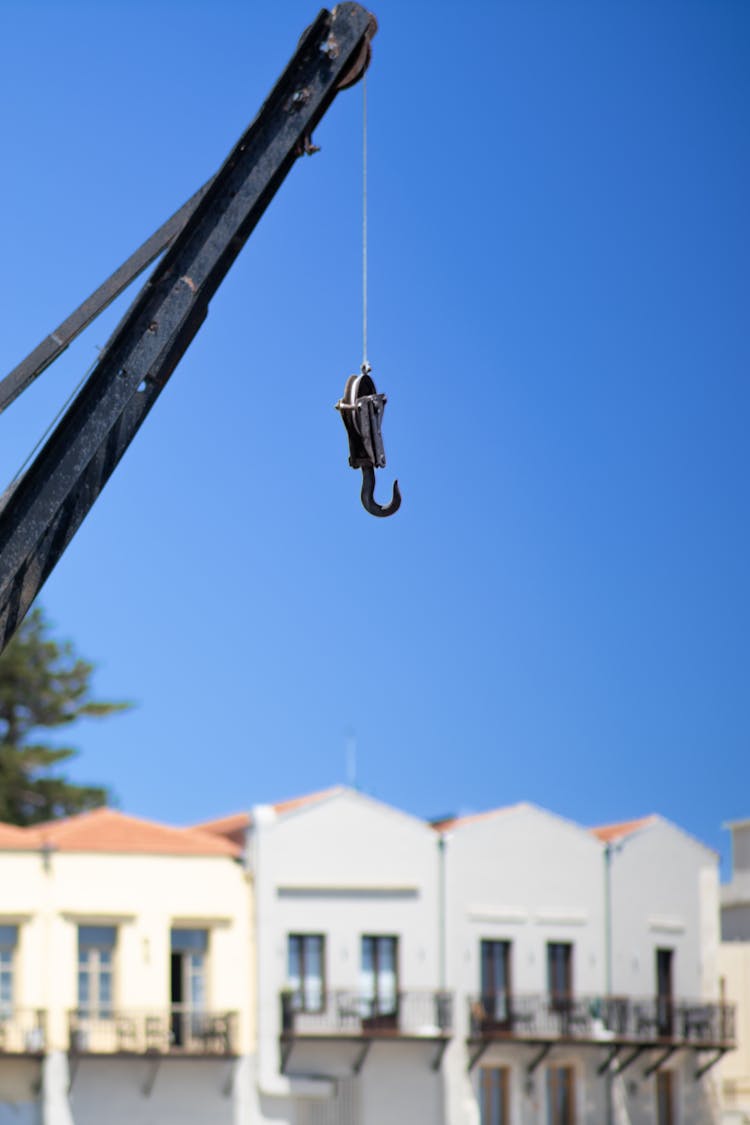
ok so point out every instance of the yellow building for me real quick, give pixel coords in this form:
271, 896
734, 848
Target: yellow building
734, 968
125, 948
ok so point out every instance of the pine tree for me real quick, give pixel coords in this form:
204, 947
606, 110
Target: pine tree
44, 685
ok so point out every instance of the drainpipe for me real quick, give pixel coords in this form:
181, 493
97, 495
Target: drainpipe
441, 915
608, 1076
608, 919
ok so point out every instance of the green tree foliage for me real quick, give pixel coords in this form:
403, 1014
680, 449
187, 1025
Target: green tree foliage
44, 685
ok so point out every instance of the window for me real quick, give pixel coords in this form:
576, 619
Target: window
8, 943
664, 1097
188, 969
305, 973
96, 947
560, 972
560, 1095
379, 979
664, 999
494, 1096
188, 949
495, 970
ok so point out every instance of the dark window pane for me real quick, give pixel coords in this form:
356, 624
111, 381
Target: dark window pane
379, 978
664, 959
8, 937
189, 941
495, 983
98, 937
494, 1096
560, 1095
306, 971
560, 968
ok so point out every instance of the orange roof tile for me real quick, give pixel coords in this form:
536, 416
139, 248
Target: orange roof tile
13, 837
607, 833
107, 830
233, 828
450, 822
282, 807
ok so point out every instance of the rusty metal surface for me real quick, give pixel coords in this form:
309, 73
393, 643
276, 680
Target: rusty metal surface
360, 65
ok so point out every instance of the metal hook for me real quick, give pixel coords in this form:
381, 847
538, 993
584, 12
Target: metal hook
361, 409
369, 502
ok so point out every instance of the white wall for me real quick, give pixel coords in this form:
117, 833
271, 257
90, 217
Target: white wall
152, 1092
741, 849
528, 877
664, 896
344, 867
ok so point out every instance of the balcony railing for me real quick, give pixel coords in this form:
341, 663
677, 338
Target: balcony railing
350, 1015
177, 1031
23, 1031
635, 1020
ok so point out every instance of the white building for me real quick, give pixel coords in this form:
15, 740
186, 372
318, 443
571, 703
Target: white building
665, 945
505, 967
525, 930
352, 1021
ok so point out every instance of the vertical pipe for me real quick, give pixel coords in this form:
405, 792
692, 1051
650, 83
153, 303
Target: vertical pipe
442, 973
608, 1077
608, 919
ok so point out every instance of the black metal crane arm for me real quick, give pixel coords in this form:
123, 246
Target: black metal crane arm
53, 345
47, 505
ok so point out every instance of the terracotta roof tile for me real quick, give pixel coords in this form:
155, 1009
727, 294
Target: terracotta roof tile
449, 822
13, 837
234, 826
307, 799
107, 830
607, 833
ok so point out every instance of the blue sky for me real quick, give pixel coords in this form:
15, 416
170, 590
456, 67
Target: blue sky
559, 247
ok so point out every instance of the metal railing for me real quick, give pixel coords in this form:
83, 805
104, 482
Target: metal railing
349, 1013
23, 1031
621, 1018
174, 1031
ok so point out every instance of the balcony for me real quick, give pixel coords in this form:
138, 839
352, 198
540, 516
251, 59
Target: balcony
178, 1031
348, 1017
23, 1031
617, 1022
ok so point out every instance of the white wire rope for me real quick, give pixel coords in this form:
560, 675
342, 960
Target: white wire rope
365, 361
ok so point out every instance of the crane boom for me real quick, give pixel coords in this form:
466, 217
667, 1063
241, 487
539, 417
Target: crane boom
44, 509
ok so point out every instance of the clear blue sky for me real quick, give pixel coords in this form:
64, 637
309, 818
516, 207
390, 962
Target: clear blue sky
560, 240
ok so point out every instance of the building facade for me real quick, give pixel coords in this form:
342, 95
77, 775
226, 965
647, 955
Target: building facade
124, 973
332, 960
352, 1018
585, 971
505, 967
